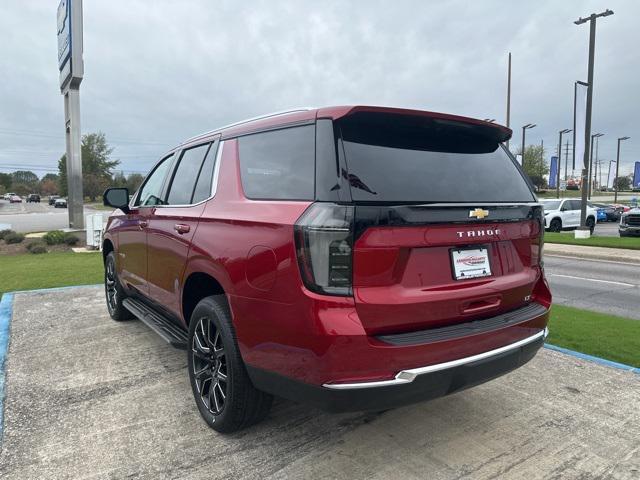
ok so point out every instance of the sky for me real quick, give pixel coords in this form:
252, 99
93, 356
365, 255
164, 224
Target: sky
159, 72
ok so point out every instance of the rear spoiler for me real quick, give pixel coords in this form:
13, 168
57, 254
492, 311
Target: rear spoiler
499, 132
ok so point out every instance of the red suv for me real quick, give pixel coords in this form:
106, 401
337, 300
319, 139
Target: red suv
354, 258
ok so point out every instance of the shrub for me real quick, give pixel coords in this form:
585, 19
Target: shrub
37, 247
70, 239
54, 237
4, 233
13, 238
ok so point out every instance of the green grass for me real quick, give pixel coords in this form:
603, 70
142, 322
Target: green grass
599, 334
29, 272
630, 243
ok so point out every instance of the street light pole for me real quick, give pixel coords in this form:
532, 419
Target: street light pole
561, 132
589, 175
524, 130
615, 180
509, 96
587, 130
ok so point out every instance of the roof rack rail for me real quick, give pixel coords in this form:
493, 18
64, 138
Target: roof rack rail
242, 122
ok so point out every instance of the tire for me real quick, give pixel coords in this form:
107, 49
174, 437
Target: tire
222, 389
113, 291
555, 225
591, 223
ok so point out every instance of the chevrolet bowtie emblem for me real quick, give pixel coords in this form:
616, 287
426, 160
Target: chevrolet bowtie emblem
478, 213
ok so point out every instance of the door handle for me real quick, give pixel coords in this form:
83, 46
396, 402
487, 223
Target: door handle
142, 224
181, 228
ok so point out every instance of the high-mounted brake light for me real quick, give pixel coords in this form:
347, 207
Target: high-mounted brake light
324, 244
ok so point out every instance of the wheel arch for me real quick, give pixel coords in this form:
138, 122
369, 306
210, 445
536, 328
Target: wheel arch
198, 285
107, 247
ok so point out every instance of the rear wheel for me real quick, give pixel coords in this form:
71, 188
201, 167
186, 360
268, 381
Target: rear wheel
555, 225
591, 224
224, 394
113, 291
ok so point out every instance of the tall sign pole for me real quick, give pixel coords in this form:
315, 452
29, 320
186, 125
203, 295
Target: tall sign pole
587, 129
71, 67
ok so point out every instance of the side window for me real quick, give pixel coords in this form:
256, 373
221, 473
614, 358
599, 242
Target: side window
574, 204
203, 185
186, 174
279, 165
151, 191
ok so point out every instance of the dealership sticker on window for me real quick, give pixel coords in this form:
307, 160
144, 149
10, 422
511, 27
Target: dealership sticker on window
470, 263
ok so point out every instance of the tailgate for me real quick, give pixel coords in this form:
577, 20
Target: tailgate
405, 276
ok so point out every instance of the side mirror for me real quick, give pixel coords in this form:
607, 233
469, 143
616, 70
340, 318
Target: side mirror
116, 198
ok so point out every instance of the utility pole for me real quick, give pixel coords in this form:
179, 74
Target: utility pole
587, 130
509, 98
615, 180
560, 133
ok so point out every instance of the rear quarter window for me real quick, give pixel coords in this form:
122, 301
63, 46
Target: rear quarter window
278, 165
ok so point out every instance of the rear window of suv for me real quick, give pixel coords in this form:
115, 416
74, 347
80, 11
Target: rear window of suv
403, 158
278, 165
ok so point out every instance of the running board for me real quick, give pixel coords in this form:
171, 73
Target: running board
164, 327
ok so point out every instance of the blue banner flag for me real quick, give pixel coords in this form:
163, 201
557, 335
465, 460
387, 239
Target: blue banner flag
636, 176
553, 172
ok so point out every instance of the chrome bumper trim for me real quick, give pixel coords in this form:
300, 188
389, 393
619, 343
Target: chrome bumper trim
408, 376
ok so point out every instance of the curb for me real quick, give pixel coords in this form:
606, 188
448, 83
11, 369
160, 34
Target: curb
6, 313
594, 359
576, 253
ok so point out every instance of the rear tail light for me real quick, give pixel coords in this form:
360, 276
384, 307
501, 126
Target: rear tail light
324, 244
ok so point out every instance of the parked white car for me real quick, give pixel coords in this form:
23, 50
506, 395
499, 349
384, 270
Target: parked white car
565, 214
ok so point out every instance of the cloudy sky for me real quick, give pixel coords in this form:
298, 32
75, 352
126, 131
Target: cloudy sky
157, 72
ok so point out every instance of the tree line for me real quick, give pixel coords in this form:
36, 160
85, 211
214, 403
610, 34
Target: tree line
99, 172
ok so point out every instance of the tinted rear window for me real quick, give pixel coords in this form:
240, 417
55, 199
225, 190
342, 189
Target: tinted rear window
400, 158
279, 165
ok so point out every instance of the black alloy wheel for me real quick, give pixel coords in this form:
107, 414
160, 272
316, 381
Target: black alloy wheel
113, 291
209, 366
222, 389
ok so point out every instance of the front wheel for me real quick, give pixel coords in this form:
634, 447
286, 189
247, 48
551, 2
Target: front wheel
224, 394
555, 225
113, 291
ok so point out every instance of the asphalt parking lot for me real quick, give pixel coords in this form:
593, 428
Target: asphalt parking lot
87, 397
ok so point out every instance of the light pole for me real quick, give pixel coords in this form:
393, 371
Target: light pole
615, 180
560, 133
524, 130
509, 97
595, 135
587, 126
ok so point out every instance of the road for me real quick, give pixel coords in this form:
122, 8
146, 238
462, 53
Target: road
601, 286
35, 217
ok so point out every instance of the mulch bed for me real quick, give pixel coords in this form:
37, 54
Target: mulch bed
20, 248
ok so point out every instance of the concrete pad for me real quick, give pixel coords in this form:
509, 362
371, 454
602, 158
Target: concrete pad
91, 398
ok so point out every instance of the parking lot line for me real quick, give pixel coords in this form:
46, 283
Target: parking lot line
623, 284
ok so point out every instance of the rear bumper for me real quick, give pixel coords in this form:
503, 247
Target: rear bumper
408, 386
